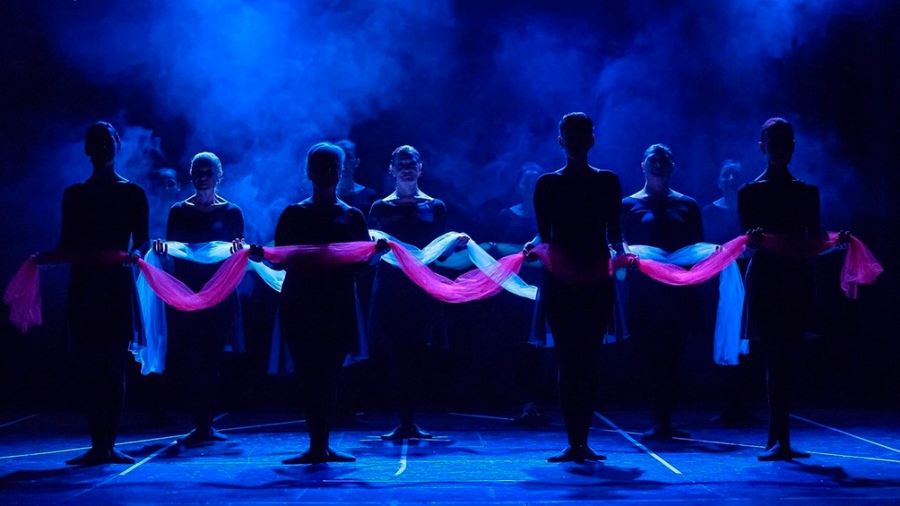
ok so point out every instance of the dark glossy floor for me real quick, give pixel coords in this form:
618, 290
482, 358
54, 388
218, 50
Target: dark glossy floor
478, 457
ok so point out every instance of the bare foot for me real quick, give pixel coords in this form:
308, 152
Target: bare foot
336, 456
568, 455
590, 454
778, 452
309, 457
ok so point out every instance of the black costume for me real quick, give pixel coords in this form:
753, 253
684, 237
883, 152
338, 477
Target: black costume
780, 289
527, 318
660, 316
360, 197
404, 321
720, 224
320, 312
102, 311
578, 213
200, 337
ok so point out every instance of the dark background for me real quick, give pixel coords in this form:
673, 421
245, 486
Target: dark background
479, 88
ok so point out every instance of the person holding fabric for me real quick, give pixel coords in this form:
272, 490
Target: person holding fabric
720, 225
577, 210
780, 288
162, 193
320, 311
361, 197
199, 338
348, 190
404, 321
106, 212
661, 317
531, 357
720, 217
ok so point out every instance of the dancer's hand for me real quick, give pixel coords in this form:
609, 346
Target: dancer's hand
160, 247
236, 245
631, 261
256, 253
528, 251
132, 258
843, 238
382, 247
461, 242
755, 238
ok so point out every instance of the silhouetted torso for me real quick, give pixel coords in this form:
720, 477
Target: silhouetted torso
320, 303
780, 289
579, 213
101, 307
362, 198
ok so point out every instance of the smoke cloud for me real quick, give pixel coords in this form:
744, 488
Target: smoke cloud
477, 87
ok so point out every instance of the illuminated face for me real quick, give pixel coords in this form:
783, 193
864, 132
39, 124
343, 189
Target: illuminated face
205, 177
658, 168
164, 183
406, 167
730, 177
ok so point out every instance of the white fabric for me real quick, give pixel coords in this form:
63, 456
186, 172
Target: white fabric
727, 344
427, 255
152, 357
513, 284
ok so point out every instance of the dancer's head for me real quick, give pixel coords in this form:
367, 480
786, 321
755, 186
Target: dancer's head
323, 164
527, 180
351, 162
206, 171
576, 134
406, 164
730, 177
164, 183
658, 165
102, 142
776, 140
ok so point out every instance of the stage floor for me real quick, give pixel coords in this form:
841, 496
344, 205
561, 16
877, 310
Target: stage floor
478, 458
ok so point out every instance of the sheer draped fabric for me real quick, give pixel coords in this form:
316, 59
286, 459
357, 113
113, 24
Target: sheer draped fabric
155, 286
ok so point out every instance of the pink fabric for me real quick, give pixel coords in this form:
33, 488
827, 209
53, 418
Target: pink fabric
703, 270
860, 267
225, 280
23, 295
786, 245
178, 295
555, 261
473, 285
23, 291
321, 256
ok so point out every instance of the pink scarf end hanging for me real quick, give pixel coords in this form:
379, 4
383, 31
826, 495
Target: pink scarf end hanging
860, 267
23, 295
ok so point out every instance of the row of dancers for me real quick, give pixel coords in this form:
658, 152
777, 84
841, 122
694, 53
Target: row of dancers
578, 209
